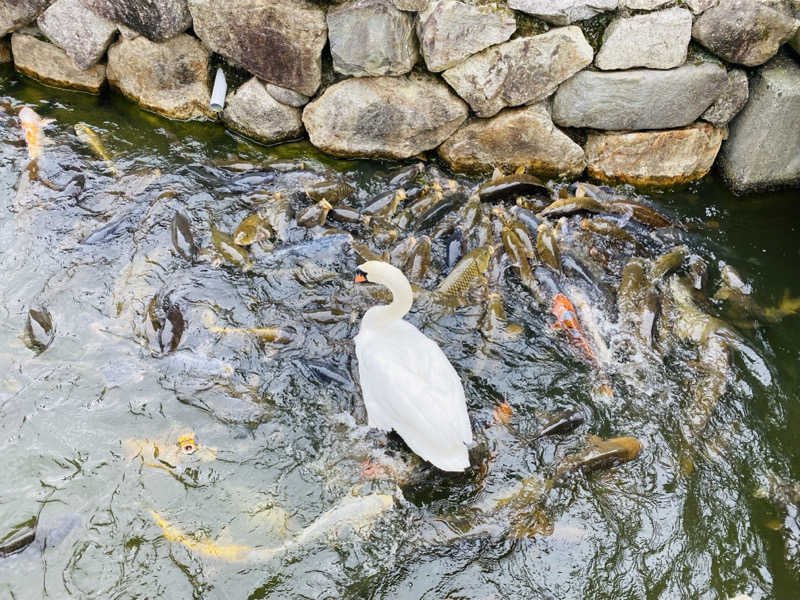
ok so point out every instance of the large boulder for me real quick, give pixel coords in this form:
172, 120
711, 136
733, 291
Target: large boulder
384, 117
279, 41
15, 14
449, 31
410, 5
563, 12
699, 6
519, 137
251, 111
763, 147
522, 71
747, 32
51, 65
643, 4
286, 96
169, 78
158, 20
639, 98
78, 31
658, 40
653, 158
371, 38
731, 101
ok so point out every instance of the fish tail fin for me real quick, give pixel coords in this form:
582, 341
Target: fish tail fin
789, 305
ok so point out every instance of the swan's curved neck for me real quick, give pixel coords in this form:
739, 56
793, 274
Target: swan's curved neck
392, 278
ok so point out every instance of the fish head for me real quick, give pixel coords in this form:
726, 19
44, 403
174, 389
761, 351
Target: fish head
29, 117
187, 444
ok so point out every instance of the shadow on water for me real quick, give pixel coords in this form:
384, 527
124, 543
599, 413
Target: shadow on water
158, 334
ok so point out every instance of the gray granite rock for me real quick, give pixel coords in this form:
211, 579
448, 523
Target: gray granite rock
563, 12
449, 31
519, 137
747, 32
286, 96
169, 78
371, 38
731, 101
699, 6
251, 111
639, 98
653, 158
763, 146
78, 31
279, 41
51, 65
410, 5
658, 40
522, 71
5, 50
384, 117
126, 32
158, 20
15, 14
643, 4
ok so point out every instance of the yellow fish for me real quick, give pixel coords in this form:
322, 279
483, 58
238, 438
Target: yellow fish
90, 138
229, 552
32, 125
269, 334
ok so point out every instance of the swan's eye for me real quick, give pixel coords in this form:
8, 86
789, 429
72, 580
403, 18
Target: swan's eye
361, 276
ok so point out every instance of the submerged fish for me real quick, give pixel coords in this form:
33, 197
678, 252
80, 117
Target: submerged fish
355, 512
455, 247
474, 264
228, 250
268, 334
385, 204
547, 248
32, 125
182, 238
332, 191
253, 228
741, 304
509, 186
564, 422
418, 260
568, 206
600, 453
92, 140
315, 214
567, 320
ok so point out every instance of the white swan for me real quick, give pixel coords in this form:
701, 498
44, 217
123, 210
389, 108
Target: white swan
407, 381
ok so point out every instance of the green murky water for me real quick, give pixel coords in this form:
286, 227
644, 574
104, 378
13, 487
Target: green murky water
80, 422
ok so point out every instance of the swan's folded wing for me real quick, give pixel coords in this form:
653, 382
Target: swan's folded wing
410, 386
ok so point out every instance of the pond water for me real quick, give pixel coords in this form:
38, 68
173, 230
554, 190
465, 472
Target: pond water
150, 344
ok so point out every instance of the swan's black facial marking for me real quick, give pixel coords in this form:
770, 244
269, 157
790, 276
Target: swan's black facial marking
361, 276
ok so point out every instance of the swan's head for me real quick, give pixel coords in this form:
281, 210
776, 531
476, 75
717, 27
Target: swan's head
376, 271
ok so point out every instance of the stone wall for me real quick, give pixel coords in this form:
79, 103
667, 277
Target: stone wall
647, 92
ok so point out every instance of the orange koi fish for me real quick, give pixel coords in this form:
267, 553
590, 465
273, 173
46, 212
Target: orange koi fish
567, 319
32, 125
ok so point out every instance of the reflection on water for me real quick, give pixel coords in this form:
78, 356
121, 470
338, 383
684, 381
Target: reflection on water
131, 319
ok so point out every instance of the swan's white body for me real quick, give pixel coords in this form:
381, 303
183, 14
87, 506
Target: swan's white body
407, 381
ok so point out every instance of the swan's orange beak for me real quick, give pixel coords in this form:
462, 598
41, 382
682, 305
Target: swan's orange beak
360, 277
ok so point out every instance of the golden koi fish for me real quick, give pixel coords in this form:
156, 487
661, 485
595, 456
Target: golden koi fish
32, 125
